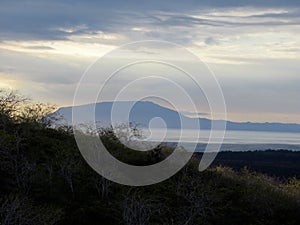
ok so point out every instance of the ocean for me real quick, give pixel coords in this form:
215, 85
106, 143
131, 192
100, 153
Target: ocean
233, 140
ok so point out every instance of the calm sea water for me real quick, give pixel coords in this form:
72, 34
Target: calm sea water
233, 140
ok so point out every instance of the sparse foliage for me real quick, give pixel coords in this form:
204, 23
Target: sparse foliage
45, 181
19, 210
138, 210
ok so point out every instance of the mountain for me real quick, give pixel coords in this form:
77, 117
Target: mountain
143, 112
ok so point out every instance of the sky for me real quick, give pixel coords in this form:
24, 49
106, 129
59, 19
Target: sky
253, 47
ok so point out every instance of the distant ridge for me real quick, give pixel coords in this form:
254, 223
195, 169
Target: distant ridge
144, 111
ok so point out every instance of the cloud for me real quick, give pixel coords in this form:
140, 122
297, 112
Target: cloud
39, 47
57, 20
210, 41
195, 114
252, 46
27, 67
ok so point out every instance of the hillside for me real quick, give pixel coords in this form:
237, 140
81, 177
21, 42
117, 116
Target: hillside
51, 184
45, 181
144, 111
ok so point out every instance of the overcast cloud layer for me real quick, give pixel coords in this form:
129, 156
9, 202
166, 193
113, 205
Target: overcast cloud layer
253, 47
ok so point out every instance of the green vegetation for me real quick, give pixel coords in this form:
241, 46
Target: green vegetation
44, 180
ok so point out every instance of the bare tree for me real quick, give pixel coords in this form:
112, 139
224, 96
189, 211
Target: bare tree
66, 169
10, 104
14, 106
138, 210
16, 113
197, 203
103, 186
68, 164
20, 210
15, 162
38, 113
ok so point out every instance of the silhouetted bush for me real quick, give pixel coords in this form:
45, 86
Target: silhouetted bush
45, 180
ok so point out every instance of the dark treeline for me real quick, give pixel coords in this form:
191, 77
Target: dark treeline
44, 180
282, 164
